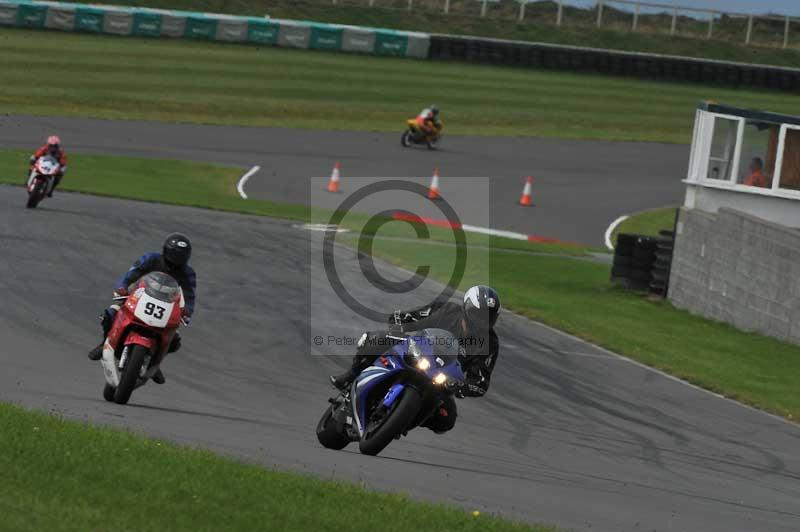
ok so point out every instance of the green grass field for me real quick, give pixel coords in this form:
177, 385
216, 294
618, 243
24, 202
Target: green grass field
542, 283
187, 81
579, 28
65, 476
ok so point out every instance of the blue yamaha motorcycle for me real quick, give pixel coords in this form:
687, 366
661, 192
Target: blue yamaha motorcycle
401, 390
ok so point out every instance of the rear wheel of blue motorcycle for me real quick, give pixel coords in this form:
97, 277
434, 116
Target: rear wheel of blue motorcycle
397, 421
328, 433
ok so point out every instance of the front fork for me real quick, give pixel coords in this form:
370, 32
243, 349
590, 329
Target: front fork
123, 359
342, 414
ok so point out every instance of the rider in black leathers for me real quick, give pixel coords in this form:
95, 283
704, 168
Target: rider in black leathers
471, 322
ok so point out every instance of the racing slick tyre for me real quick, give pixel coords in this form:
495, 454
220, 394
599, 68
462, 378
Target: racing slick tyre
108, 393
328, 434
405, 140
434, 142
397, 421
35, 197
130, 375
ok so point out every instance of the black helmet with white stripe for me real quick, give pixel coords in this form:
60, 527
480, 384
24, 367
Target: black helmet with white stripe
481, 307
177, 250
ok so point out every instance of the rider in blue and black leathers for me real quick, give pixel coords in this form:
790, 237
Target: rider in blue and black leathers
472, 322
156, 262
173, 260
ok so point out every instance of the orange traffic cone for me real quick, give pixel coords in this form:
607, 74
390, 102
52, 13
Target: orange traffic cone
433, 190
526, 198
333, 184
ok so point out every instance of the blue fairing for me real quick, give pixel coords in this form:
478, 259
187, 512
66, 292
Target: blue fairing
392, 395
389, 367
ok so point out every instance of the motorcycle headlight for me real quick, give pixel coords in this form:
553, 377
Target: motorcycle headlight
440, 379
423, 364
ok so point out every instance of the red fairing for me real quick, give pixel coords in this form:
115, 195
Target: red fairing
134, 338
127, 329
175, 317
39, 170
36, 180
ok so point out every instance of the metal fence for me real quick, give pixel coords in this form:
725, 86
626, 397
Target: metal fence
621, 15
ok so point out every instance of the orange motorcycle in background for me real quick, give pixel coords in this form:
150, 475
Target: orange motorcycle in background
414, 135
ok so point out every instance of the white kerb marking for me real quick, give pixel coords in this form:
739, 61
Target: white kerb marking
493, 232
610, 230
243, 180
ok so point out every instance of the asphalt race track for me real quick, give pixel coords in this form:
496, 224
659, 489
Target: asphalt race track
568, 434
580, 187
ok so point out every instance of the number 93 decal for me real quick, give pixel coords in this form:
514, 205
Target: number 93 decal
153, 312
157, 311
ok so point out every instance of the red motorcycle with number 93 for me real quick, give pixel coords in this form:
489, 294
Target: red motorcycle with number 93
141, 334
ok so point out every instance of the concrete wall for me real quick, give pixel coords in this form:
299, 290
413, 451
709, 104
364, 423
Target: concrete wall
764, 204
739, 269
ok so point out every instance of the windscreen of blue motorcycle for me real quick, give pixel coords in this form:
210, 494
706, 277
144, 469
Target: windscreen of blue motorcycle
437, 343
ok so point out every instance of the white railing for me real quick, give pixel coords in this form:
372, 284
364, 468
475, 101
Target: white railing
628, 15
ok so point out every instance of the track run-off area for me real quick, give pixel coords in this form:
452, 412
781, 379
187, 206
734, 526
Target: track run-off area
579, 187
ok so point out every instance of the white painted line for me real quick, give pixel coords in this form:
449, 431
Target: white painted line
610, 230
323, 228
493, 232
243, 180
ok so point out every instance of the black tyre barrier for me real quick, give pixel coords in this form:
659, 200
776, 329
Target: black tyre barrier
639, 275
623, 261
621, 271
642, 262
625, 243
613, 62
661, 267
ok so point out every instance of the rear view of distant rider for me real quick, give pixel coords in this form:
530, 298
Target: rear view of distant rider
428, 121
53, 149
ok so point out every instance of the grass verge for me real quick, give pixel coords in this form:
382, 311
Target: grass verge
162, 180
191, 81
62, 475
501, 22
572, 295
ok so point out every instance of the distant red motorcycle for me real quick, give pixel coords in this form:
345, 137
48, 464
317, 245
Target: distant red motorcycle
141, 334
39, 182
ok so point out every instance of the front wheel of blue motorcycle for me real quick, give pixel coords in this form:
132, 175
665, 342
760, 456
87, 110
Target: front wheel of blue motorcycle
397, 421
